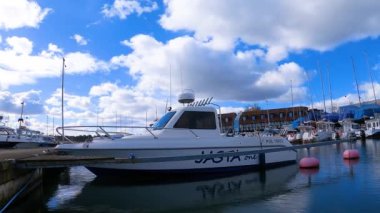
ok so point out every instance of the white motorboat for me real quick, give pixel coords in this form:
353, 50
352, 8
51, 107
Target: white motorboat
373, 127
191, 130
325, 131
23, 138
350, 129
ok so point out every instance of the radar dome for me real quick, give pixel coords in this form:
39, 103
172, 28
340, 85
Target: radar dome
186, 97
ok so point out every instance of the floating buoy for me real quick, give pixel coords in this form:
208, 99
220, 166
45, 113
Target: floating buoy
350, 162
309, 163
351, 154
309, 171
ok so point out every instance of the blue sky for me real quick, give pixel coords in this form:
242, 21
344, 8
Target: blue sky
120, 55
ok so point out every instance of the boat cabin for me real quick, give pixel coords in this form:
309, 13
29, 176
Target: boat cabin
189, 117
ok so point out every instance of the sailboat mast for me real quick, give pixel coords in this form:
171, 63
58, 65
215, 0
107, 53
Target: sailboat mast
268, 113
323, 88
62, 96
356, 81
291, 90
20, 120
311, 97
329, 78
371, 77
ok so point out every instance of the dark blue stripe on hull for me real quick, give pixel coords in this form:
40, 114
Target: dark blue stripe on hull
375, 136
7, 144
188, 174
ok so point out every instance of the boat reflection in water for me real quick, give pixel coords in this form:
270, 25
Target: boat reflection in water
117, 195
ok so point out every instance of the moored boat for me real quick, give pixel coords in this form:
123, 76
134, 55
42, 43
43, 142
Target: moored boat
191, 130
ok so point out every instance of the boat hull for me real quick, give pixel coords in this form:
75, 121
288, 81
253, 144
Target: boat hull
159, 163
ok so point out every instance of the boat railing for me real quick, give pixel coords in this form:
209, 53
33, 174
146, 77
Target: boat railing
104, 131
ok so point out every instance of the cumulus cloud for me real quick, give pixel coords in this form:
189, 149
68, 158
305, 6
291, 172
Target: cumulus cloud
11, 103
103, 89
21, 13
79, 39
22, 66
71, 101
226, 75
20, 45
124, 8
278, 25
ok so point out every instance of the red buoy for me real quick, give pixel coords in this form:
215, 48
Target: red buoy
351, 154
309, 163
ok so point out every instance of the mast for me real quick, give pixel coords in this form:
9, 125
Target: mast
62, 96
329, 78
268, 113
370, 76
356, 81
323, 88
170, 86
311, 97
20, 120
291, 90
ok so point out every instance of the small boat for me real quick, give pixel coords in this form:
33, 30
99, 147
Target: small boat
192, 130
23, 138
325, 131
373, 127
350, 129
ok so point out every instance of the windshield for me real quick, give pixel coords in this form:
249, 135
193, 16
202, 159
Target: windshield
164, 120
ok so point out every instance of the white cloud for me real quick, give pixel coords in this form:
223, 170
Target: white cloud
81, 63
124, 8
11, 103
241, 76
71, 101
21, 13
20, 45
103, 89
22, 67
79, 39
278, 25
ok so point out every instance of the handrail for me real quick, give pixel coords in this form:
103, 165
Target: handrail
107, 133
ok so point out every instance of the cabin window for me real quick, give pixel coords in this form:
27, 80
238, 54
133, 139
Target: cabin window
164, 120
196, 120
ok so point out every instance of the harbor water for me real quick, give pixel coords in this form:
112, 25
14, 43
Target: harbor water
337, 186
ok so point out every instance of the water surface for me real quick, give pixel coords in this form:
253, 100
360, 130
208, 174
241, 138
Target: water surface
338, 186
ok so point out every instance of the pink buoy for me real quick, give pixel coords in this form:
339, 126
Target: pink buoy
351, 154
309, 163
309, 171
351, 162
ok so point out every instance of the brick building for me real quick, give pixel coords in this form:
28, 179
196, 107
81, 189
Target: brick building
256, 119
